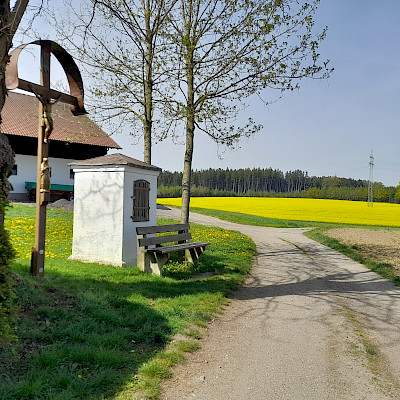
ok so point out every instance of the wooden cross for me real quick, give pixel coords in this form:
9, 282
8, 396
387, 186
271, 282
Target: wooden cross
47, 97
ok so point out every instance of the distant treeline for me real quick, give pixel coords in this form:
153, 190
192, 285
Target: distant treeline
270, 182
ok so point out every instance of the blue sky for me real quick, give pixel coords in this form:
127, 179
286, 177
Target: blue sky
328, 127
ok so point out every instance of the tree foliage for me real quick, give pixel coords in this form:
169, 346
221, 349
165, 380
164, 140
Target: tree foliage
226, 51
192, 65
268, 182
397, 193
241, 181
121, 46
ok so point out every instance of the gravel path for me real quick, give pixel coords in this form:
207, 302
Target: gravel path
309, 323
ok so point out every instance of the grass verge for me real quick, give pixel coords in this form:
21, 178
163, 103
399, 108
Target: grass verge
96, 332
384, 269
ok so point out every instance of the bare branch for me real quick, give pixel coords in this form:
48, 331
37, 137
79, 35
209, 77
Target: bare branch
17, 13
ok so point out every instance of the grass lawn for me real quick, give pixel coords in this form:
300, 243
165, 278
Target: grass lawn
97, 332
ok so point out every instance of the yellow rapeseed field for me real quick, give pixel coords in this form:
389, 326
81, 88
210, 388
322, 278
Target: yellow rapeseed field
336, 211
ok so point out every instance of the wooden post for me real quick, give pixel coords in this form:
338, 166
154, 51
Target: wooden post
42, 198
46, 96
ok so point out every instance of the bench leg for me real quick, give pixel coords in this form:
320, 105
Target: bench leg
157, 262
153, 263
141, 258
192, 255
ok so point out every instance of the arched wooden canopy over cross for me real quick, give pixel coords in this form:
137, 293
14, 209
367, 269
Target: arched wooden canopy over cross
46, 96
75, 98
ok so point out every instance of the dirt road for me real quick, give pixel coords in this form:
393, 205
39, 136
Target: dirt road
308, 324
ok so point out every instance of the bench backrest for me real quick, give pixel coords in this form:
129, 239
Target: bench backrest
182, 236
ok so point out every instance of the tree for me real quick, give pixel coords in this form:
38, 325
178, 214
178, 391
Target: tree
228, 50
397, 194
121, 46
330, 181
9, 21
382, 194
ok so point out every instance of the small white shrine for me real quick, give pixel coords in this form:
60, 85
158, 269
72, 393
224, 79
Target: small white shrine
113, 194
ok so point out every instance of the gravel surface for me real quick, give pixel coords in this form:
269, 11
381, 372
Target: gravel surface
63, 203
309, 323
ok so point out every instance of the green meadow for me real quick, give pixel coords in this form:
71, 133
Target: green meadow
89, 331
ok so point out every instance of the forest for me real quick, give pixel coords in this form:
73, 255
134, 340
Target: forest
268, 182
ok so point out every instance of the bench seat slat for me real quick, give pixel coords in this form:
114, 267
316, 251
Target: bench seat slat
178, 247
164, 239
144, 230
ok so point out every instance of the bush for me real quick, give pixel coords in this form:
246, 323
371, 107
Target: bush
7, 295
169, 191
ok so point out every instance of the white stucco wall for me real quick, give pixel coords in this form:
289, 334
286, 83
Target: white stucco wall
103, 228
26, 168
98, 215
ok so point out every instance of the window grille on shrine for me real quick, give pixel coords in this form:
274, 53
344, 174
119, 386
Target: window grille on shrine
141, 208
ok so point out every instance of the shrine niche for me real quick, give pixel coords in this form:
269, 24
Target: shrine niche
113, 195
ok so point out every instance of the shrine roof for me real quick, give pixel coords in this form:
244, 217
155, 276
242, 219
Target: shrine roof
115, 159
20, 118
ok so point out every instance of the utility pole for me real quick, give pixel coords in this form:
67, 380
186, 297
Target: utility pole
371, 181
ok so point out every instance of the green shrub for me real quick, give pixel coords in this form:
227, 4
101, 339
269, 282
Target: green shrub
7, 295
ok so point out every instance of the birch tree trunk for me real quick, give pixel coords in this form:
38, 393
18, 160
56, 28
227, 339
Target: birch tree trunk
148, 86
190, 111
187, 167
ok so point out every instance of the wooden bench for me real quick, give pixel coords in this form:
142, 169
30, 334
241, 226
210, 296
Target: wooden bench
154, 251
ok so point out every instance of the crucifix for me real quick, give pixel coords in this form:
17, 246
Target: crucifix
47, 97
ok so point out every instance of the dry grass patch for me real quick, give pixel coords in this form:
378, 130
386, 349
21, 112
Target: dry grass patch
381, 245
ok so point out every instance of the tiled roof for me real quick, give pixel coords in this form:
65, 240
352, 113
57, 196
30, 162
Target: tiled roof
20, 117
115, 159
